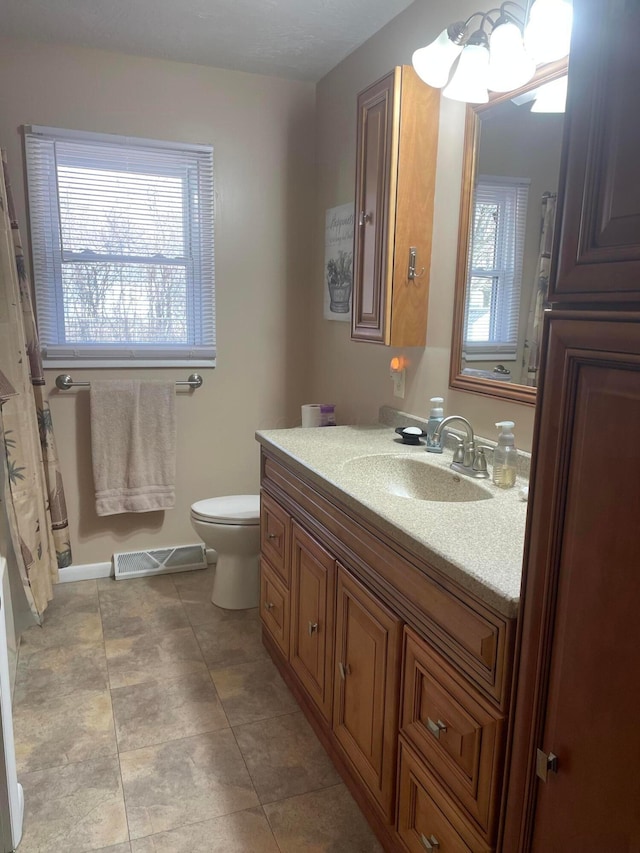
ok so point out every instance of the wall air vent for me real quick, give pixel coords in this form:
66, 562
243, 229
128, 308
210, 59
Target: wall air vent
137, 564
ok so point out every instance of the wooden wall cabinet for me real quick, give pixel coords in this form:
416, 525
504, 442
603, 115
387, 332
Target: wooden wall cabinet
397, 140
573, 774
378, 653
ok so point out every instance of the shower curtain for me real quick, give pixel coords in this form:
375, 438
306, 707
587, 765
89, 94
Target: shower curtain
34, 493
531, 353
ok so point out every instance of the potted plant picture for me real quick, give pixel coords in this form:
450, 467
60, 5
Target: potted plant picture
339, 280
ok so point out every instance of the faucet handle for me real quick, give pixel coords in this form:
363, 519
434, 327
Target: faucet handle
458, 451
479, 459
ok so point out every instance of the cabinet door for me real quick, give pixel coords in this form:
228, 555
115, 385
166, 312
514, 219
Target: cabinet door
366, 678
312, 611
579, 689
371, 296
599, 254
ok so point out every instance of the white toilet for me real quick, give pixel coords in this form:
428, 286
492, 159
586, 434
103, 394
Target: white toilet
231, 526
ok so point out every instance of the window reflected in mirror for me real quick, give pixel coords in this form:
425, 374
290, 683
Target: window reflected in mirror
512, 166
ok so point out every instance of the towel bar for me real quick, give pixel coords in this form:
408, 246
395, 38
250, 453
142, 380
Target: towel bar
64, 382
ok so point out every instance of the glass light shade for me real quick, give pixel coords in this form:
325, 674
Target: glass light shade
469, 82
510, 66
552, 97
433, 62
547, 35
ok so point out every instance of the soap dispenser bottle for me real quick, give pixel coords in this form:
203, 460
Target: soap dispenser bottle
435, 417
505, 456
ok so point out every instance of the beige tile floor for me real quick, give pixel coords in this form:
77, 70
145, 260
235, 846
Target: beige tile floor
149, 721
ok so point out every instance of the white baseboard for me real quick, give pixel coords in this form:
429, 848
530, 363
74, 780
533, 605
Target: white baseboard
87, 572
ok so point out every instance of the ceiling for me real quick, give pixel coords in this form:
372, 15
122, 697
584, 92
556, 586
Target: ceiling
299, 39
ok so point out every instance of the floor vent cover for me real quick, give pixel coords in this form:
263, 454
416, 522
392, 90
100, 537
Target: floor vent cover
136, 564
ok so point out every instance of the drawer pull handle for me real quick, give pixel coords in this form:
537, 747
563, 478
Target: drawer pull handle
313, 626
430, 843
345, 669
272, 536
436, 728
268, 605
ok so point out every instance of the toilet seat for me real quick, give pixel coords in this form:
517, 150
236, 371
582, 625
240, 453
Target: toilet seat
229, 509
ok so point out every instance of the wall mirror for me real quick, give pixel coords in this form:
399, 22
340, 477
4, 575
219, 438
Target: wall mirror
507, 215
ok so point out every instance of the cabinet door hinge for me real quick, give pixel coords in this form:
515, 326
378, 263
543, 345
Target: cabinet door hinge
545, 764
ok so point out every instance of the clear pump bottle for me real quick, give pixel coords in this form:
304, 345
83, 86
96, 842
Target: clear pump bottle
505, 456
435, 416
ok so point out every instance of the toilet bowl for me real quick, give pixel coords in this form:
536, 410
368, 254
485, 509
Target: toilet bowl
231, 526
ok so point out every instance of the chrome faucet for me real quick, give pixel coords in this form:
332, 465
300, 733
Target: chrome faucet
468, 458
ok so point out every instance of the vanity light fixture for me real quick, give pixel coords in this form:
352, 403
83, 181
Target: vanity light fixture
500, 53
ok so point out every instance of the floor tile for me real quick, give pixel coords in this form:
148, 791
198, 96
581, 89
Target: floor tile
58, 670
184, 781
195, 590
196, 585
327, 821
152, 657
155, 712
72, 617
230, 637
140, 606
253, 691
284, 757
118, 848
65, 730
74, 809
242, 832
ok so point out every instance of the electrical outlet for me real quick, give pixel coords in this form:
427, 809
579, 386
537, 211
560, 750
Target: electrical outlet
398, 383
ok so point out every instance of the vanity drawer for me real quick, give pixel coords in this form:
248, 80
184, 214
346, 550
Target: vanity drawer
454, 729
275, 526
274, 606
427, 820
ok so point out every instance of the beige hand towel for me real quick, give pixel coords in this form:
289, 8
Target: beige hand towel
133, 445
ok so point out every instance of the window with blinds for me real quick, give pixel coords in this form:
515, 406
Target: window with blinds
495, 267
122, 247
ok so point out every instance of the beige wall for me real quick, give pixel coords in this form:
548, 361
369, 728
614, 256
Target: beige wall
262, 130
356, 375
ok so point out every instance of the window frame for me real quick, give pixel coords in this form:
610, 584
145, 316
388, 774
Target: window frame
194, 166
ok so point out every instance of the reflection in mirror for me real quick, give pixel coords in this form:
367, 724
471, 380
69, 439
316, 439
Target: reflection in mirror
512, 163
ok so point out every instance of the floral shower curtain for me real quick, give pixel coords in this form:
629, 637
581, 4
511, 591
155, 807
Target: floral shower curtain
34, 492
531, 354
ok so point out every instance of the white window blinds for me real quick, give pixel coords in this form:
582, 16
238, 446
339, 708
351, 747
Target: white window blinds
123, 249
495, 266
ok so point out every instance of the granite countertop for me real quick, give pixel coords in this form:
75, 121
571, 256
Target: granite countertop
478, 543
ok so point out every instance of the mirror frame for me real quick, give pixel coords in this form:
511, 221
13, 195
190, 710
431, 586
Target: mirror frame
457, 380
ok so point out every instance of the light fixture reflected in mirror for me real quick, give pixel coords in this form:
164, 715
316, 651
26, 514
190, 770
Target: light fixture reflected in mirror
500, 54
551, 98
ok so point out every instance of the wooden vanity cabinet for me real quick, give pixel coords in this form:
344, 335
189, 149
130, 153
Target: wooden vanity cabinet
381, 648
397, 139
367, 674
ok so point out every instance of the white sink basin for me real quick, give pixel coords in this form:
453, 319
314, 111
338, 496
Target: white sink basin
407, 477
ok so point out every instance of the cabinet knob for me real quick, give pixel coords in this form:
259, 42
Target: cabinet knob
272, 536
268, 605
365, 217
436, 728
313, 626
345, 669
431, 843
